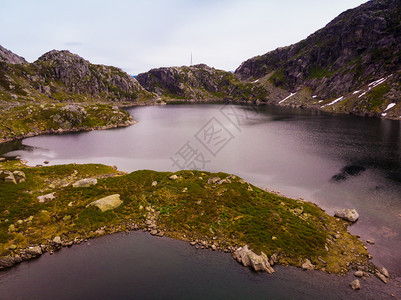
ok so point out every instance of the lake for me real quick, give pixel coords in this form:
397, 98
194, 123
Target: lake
336, 161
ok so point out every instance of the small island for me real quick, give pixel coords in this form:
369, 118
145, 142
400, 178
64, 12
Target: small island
45, 208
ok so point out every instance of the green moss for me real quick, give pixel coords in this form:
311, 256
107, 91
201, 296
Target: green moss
278, 78
375, 96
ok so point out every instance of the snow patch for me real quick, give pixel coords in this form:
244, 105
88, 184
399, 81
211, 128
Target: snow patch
255, 81
391, 105
385, 114
356, 92
363, 93
314, 96
331, 103
320, 101
292, 94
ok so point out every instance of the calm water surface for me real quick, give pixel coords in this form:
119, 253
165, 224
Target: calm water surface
334, 161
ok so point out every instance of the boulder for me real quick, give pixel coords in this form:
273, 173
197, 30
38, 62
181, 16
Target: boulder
34, 250
154, 183
107, 203
213, 180
46, 198
307, 265
359, 273
87, 182
57, 240
19, 176
248, 258
355, 285
6, 262
384, 271
347, 214
381, 277
173, 177
9, 177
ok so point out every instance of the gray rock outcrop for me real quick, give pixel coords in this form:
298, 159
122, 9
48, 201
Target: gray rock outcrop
248, 258
10, 58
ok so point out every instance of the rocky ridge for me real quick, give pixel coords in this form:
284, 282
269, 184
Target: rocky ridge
61, 76
198, 82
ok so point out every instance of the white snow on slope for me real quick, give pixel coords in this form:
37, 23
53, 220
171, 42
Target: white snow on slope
292, 94
356, 92
255, 81
331, 103
391, 105
385, 114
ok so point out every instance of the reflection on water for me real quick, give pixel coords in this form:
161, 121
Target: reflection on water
297, 152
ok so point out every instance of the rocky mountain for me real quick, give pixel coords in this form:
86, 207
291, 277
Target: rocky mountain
353, 64
198, 82
65, 77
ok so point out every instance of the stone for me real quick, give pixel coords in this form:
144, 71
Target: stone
46, 162
347, 214
153, 232
307, 265
9, 177
2, 159
87, 182
19, 176
107, 203
370, 242
248, 258
154, 183
355, 285
381, 277
35, 251
12, 247
213, 180
173, 177
6, 262
359, 274
11, 228
57, 240
47, 197
384, 271
100, 232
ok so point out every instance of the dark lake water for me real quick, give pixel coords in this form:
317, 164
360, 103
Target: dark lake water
334, 161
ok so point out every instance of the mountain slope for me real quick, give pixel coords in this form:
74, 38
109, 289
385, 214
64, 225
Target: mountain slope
359, 47
65, 77
198, 82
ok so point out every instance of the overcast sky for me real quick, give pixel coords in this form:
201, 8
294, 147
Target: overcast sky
140, 35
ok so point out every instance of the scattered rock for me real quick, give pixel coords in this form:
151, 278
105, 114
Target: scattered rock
250, 259
347, 214
87, 182
46, 198
19, 176
107, 203
307, 265
173, 177
8, 177
153, 232
384, 271
370, 242
381, 277
2, 159
355, 285
154, 183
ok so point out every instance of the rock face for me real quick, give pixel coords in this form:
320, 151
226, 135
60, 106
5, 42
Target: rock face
248, 258
64, 76
199, 82
87, 182
46, 198
10, 58
358, 47
107, 203
347, 214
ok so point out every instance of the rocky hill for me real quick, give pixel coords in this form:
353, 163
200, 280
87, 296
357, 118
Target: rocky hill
199, 82
351, 65
60, 76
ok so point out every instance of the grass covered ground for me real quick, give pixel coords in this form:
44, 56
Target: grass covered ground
227, 214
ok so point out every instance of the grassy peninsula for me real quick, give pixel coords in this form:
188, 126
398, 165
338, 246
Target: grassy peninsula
217, 211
